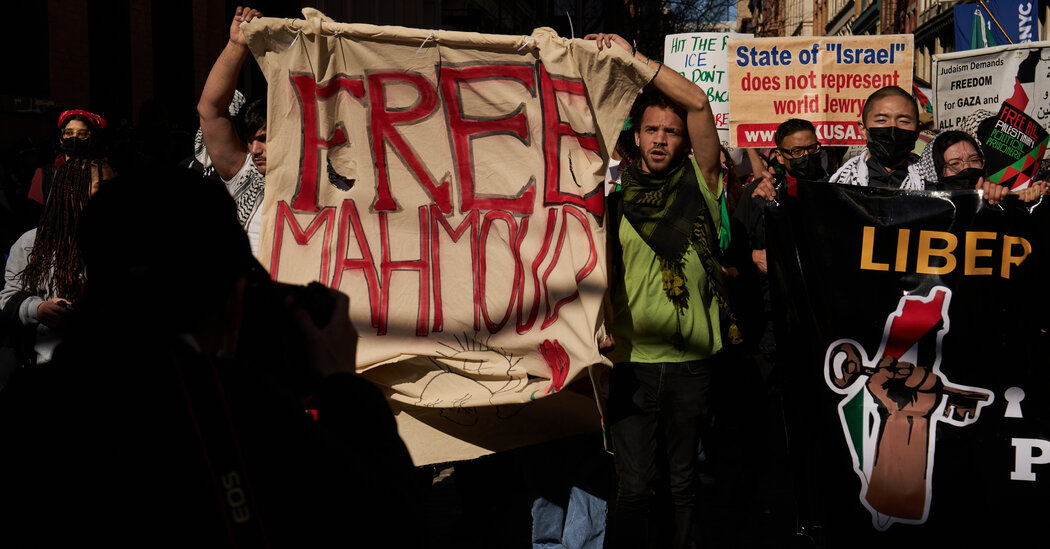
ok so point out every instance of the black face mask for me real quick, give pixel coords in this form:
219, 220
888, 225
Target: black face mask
966, 179
72, 146
807, 167
891, 146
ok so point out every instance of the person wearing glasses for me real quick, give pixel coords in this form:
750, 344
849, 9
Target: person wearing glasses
798, 155
81, 135
959, 164
890, 125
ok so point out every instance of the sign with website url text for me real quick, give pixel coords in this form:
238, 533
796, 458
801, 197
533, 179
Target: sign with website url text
825, 80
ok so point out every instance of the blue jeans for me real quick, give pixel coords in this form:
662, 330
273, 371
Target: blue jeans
569, 481
657, 413
579, 525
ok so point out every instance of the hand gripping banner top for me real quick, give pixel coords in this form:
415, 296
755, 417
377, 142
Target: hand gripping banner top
451, 184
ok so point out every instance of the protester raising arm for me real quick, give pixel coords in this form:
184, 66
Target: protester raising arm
700, 124
703, 135
226, 148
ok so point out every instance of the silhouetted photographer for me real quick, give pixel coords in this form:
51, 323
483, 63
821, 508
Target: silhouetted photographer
196, 402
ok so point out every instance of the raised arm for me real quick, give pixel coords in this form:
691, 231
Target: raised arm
225, 147
700, 123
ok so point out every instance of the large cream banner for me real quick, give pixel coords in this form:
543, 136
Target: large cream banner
825, 80
451, 184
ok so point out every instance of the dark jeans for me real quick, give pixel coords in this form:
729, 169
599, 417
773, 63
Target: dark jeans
657, 413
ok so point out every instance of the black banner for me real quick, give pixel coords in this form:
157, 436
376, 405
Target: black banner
912, 328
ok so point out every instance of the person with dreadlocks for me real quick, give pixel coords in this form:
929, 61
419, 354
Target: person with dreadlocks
81, 137
668, 230
43, 276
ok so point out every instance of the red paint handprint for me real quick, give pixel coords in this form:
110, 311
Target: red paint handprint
558, 361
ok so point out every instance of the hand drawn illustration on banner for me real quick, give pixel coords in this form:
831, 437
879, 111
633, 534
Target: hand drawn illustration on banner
912, 332
892, 404
452, 185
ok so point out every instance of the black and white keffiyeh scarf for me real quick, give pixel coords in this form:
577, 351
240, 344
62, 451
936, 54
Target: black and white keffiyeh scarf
855, 172
247, 192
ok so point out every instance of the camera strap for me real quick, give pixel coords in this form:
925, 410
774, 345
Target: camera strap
213, 423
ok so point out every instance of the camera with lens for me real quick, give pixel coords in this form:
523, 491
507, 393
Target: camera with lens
313, 297
271, 341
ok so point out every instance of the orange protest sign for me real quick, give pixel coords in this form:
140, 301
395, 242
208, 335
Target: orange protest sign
823, 79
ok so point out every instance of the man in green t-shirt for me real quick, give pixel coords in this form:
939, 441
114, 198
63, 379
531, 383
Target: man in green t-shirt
668, 227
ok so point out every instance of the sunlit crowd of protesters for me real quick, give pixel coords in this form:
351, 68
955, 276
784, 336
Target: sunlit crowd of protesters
89, 339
